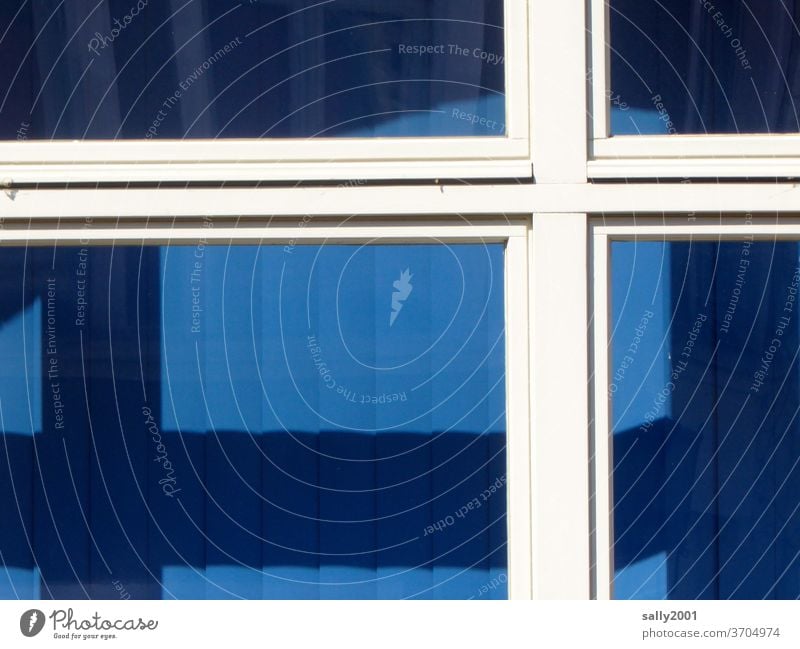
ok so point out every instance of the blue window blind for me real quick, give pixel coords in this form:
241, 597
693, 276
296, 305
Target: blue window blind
253, 422
724, 66
705, 390
184, 69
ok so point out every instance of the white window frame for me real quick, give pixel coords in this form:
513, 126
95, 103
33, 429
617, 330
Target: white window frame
280, 159
672, 156
49, 228
604, 231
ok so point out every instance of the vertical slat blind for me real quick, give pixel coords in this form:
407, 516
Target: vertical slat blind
706, 396
253, 422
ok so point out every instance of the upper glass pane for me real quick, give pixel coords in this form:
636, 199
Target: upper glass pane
708, 66
705, 393
173, 69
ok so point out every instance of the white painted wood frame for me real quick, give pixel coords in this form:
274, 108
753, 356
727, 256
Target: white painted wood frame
226, 231
603, 231
288, 159
672, 156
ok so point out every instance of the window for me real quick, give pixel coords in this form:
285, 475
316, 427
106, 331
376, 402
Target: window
702, 438
262, 90
557, 162
704, 67
662, 72
285, 420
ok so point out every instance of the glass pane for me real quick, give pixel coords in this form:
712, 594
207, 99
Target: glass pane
705, 390
139, 69
721, 66
255, 422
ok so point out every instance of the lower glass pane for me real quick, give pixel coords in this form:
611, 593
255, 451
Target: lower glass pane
253, 422
705, 390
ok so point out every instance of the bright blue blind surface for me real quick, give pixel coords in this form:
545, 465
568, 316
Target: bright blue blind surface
254, 422
705, 390
720, 66
174, 69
